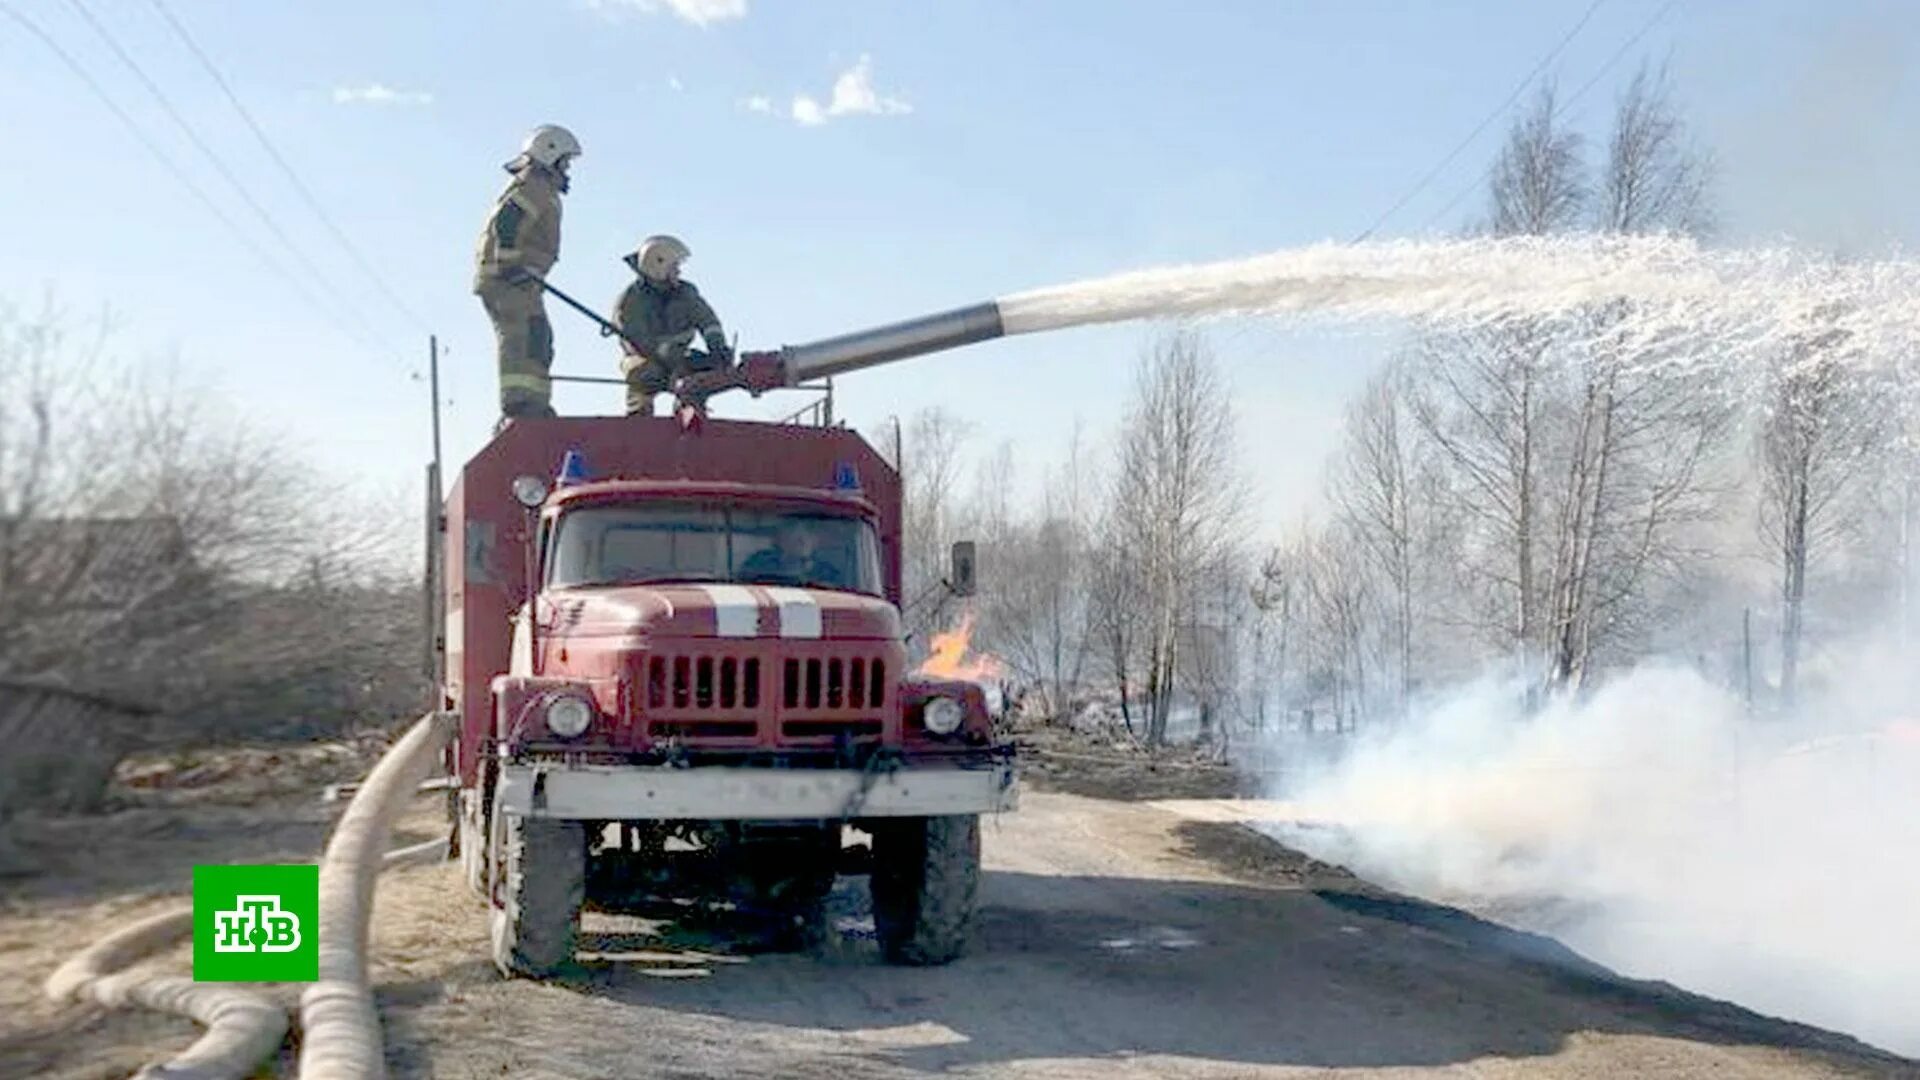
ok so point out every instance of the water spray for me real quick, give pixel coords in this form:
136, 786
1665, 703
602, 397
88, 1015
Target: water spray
1682, 300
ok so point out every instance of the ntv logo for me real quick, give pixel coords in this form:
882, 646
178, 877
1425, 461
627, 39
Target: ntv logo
257, 924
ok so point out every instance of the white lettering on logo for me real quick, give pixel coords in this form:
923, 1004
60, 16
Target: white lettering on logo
256, 924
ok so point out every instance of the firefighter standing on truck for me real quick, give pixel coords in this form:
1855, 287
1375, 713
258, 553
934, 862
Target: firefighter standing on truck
658, 316
522, 239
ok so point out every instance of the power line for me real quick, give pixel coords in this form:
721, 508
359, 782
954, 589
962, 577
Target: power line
140, 135
1560, 109
1461, 147
220, 166
293, 175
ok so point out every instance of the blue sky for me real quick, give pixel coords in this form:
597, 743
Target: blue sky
980, 149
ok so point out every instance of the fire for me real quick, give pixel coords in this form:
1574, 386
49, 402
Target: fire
949, 660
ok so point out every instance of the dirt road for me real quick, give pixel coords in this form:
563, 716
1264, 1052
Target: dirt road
1116, 939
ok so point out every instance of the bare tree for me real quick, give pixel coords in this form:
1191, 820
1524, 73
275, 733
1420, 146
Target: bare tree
1218, 645
1537, 184
1039, 606
990, 515
1177, 497
931, 512
1655, 179
1640, 429
1117, 614
1826, 417
1481, 396
1341, 612
155, 548
1276, 596
1481, 400
1575, 459
1382, 502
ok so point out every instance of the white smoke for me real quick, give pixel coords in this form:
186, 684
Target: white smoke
1661, 830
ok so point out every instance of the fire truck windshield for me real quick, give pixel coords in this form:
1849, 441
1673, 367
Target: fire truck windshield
668, 542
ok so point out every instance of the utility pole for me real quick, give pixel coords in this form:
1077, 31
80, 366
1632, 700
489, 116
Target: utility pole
1746, 654
1906, 554
433, 380
431, 587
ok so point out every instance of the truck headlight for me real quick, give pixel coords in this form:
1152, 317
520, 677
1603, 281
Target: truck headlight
943, 715
568, 716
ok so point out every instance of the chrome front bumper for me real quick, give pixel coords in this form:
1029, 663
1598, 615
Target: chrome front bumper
711, 793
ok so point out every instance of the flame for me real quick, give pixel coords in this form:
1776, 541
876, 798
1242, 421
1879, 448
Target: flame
948, 658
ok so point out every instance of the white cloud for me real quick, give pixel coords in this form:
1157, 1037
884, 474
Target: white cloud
807, 112
853, 95
379, 94
674, 84
759, 103
697, 12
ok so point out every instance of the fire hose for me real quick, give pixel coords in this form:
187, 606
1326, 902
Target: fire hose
243, 1028
341, 1031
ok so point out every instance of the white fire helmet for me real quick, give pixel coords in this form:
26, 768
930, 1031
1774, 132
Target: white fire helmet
551, 145
658, 258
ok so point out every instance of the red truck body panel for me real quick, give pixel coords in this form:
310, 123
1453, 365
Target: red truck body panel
691, 676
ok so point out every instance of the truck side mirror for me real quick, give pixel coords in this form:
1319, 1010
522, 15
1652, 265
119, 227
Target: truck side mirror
960, 578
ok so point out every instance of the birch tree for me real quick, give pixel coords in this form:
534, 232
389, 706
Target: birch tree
1482, 395
1176, 499
1041, 603
1381, 500
930, 512
1640, 430
1825, 418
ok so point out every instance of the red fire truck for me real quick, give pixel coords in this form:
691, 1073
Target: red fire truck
676, 649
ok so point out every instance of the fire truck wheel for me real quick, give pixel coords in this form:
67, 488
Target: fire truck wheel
544, 864
797, 905
803, 929
926, 874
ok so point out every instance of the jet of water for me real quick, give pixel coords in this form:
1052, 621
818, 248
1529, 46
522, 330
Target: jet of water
1681, 296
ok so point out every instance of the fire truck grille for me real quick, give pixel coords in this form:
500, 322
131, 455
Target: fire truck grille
833, 683
688, 683
802, 701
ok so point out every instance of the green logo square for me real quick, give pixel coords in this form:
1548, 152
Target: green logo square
256, 923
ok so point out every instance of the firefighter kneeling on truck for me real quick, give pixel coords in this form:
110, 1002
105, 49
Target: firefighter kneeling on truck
658, 316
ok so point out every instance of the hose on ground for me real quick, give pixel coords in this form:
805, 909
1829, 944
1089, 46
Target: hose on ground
340, 1030
243, 1028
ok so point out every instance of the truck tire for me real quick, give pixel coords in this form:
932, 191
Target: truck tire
797, 908
543, 882
926, 876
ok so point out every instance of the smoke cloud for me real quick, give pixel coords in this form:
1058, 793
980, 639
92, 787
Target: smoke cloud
1660, 829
